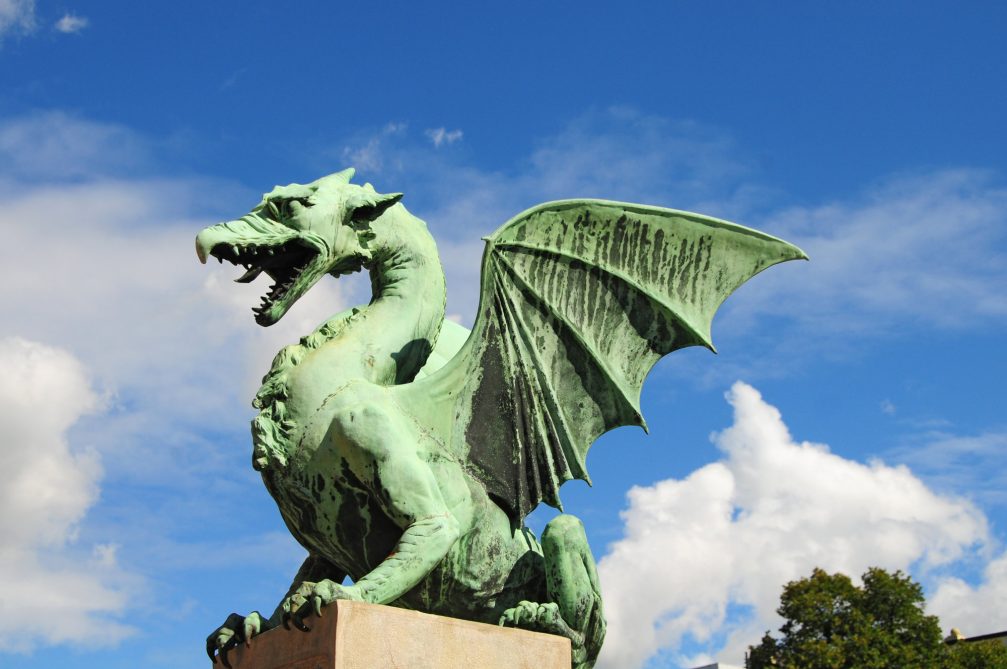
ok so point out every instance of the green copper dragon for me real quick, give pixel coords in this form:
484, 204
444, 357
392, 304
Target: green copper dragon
405, 452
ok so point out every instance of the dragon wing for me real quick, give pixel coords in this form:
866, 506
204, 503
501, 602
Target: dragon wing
579, 300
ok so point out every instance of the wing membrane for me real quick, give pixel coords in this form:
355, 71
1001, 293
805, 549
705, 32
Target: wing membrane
579, 300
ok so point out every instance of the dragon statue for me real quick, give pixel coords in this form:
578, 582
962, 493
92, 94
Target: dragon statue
405, 452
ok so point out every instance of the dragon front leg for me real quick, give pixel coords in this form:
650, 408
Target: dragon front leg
384, 455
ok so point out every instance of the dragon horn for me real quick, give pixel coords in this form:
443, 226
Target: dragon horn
340, 177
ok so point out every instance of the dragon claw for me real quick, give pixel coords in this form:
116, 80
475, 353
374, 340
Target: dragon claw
298, 619
247, 632
537, 617
236, 629
310, 598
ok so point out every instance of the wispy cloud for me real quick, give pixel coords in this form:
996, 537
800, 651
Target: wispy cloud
16, 16
926, 252
975, 464
924, 249
615, 154
71, 23
232, 80
371, 152
921, 249
441, 136
50, 146
733, 532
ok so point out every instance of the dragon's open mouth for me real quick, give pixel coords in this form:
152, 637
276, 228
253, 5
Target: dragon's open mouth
284, 264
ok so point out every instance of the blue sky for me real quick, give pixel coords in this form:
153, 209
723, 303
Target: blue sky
853, 417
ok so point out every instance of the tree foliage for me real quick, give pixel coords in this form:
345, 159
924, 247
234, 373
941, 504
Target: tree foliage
831, 623
978, 655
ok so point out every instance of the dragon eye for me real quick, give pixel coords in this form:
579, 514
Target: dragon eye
280, 209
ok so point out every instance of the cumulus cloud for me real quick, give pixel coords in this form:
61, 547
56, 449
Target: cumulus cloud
172, 338
971, 608
71, 23
46, 489
108, 275
733, 532
441, 136
119, 255
16, 16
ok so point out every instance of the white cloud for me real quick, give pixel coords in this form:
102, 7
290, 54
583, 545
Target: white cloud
615, 154
47, 592
733, 532
443, 136
71, 23
173, 338
119, 287
370, 153
107, 271
53, 146
972, 609
924, 249
976, 463
16, 16
119, 259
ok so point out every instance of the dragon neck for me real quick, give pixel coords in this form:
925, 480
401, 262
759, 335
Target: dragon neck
385, 342
401, 324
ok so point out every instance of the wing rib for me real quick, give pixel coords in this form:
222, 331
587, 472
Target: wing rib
596, 358
667, 309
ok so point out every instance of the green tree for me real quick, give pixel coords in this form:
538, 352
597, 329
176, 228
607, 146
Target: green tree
978, 655
830, 623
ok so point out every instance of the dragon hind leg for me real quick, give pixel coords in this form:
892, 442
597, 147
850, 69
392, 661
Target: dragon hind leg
574, 609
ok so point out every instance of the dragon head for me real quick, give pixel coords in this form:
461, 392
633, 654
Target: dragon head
298, 234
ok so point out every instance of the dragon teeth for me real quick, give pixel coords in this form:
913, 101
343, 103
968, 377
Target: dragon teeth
251, 273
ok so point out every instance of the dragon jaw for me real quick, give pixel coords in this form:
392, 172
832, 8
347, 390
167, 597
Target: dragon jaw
296, 235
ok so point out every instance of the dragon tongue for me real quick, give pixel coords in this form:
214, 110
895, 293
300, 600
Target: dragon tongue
249, 275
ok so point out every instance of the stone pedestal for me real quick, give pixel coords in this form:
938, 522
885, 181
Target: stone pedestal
354, 635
